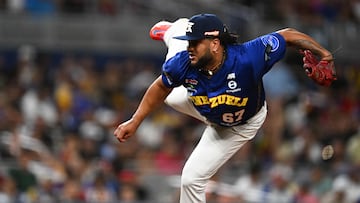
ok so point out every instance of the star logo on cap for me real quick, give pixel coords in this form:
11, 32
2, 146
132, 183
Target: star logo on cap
189, 27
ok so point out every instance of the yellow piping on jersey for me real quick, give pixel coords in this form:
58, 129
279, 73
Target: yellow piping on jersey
218, 100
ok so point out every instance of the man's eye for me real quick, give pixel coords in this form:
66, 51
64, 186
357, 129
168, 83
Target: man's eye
193, 43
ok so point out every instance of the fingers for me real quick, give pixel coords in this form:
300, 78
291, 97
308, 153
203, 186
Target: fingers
310, 62
120, 134
125, 130
309, 57
121, 139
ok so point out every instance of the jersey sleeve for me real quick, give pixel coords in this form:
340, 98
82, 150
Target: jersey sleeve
174, 70
265, 51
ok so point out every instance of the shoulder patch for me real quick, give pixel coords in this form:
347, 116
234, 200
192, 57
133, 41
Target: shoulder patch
271, 40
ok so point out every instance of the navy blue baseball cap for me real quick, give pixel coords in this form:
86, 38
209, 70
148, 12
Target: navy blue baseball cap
203, 25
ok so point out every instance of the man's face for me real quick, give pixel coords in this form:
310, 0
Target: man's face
199, 53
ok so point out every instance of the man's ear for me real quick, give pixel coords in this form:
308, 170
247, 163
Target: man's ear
215, 43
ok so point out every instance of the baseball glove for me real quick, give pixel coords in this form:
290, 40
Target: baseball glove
322, 72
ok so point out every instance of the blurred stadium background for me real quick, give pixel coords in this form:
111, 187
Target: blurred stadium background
71, 70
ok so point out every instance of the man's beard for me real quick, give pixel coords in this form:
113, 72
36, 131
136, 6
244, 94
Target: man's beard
203, 62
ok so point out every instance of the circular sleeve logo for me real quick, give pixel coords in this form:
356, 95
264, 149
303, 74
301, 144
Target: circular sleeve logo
272, 41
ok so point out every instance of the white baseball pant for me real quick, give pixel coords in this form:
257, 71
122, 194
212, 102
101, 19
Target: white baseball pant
217, 144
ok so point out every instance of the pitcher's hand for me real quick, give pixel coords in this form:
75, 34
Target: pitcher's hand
125, 130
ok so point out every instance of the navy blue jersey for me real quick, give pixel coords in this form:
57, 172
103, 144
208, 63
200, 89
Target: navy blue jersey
235, 92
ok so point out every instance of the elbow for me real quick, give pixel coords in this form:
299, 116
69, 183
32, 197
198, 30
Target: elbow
290, 35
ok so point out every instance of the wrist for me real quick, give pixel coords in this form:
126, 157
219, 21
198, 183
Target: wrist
136, 119
328, 57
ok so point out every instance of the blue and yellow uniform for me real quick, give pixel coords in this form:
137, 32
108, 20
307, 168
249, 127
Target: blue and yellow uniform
235, 92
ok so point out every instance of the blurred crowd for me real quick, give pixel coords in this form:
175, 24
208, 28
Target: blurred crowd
311, 11
58, 113
77, 7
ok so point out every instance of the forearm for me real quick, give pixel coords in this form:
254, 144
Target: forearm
303, 41
152, 99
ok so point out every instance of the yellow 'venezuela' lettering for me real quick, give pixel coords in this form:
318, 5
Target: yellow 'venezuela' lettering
220, 99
